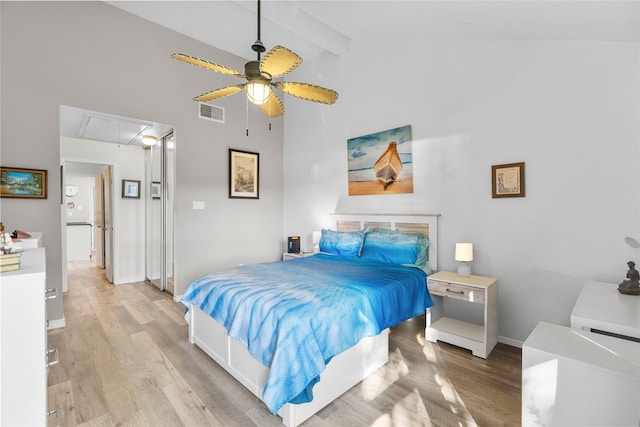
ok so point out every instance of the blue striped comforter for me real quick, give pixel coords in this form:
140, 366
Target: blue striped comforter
295, 316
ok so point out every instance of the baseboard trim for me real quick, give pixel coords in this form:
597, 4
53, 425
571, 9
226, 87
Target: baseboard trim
55, 324
511, 342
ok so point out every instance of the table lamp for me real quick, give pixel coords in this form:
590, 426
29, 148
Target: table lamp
316, 241
464, 253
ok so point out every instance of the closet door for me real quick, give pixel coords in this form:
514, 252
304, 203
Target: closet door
159, 174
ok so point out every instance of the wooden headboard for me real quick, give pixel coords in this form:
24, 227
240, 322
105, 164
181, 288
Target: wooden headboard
426, 224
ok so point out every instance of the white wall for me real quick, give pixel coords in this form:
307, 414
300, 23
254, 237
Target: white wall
81, 209
128, 214
568, 109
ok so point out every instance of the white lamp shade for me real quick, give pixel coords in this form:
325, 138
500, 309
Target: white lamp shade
316, 237
258, 92
464, 252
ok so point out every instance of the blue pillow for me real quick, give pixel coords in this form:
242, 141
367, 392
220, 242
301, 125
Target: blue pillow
397, 248
347, 243
423, 243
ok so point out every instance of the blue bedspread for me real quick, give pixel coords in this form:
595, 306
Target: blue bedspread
295, 316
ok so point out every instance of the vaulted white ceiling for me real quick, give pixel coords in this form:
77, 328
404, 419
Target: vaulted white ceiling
309, 27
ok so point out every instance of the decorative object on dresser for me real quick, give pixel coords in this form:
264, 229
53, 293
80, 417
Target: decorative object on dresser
630, 286
479, 338
464, 253
10, 261
244, 174
23, 183
507, 180
130, 189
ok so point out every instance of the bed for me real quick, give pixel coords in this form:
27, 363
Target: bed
263, 323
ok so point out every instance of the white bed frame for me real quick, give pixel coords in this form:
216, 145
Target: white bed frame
347, 368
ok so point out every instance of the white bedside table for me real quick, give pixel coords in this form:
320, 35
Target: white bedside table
480, 339
289, 256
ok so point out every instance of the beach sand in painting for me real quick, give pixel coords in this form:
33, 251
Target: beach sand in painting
360, 188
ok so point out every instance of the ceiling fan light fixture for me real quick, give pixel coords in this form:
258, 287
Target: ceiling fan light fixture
258, 92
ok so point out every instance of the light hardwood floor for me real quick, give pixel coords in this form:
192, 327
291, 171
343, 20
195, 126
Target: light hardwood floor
125, 360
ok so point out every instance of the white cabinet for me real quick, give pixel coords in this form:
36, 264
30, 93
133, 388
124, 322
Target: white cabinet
23, 343
479, 338
579, 378
600, 307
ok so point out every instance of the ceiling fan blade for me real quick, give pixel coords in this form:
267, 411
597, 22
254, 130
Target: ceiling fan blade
219, 93
273, 107
206, 64
308, 92
279, 61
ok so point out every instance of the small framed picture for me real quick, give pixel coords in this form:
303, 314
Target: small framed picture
155, 190
130, 189
508, 180
22, 183
244, 168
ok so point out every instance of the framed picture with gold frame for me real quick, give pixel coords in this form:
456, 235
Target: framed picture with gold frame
20, 183
508, 180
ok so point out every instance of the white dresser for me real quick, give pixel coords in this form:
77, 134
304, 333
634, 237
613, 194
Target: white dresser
579, 378
24, 358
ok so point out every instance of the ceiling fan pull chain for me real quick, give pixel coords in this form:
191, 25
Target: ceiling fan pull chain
247, 111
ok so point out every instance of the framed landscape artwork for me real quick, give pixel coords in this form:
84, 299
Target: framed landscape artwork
244, 174
508, 180
22, 183
381, 163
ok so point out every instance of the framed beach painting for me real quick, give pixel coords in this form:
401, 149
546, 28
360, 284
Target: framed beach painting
381, 163
22, 183
244, 174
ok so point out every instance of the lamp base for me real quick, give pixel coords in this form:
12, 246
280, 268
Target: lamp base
464, 270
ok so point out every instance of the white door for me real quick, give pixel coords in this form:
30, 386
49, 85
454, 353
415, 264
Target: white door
108, 223
98, 221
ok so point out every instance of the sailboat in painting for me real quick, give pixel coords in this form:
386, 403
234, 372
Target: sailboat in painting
389, 165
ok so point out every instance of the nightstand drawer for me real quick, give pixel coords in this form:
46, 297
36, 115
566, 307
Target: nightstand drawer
453, 290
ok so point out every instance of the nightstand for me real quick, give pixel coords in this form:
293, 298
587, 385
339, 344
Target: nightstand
289, 256
480, 339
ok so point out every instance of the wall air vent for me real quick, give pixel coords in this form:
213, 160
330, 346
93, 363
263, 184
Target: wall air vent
211, 112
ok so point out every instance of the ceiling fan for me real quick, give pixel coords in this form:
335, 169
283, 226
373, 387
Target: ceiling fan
260, 74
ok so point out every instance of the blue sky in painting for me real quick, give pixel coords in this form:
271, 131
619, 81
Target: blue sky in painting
364, 151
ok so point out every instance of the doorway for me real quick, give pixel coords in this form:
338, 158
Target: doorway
87, 207
119, 142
